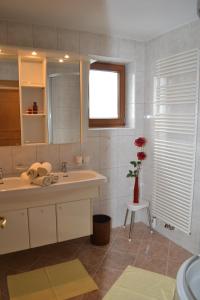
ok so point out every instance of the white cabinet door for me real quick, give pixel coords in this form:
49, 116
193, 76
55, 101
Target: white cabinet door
74, 219
42, 225
15, 235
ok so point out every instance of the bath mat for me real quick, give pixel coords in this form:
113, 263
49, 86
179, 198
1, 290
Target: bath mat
58, 282
139, 284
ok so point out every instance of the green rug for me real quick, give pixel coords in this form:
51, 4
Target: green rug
139, 284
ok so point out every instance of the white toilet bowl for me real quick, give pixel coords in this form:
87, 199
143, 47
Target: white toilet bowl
188, 280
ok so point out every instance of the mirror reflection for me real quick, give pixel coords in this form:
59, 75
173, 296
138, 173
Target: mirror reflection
39, 98
64, 102
10, 129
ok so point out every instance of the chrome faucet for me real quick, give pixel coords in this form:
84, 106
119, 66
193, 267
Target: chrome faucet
1, 176
64, 168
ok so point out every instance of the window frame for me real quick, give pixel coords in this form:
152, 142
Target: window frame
120, 121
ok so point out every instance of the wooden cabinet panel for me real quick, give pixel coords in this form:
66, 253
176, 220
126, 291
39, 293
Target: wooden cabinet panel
42, 225
15, 235
74, 219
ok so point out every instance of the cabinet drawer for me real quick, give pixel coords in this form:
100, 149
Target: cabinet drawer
74, 219
15, 235
42, 225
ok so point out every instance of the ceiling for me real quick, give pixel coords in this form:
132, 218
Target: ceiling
136, 19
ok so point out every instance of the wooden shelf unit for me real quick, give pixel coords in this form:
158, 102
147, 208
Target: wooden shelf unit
32, 86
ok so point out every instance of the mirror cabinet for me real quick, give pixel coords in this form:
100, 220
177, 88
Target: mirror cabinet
39, 99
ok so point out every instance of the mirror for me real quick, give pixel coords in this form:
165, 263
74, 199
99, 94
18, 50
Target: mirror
10, 129
63, 93
56, 94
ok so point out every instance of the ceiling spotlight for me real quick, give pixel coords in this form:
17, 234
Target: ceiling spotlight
61, 60
34, 53
66, 56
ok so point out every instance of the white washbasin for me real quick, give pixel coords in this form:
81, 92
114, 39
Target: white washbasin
73, 178
12, 183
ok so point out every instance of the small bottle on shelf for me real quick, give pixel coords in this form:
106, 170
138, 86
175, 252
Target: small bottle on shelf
35, 108
29, 110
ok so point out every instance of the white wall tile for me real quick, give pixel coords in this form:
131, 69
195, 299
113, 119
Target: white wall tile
126, 150
91, 148
110, 188
23, 156
68, 153
68, 40
45, 37
109, 152
6, 160
19, 34
49, 153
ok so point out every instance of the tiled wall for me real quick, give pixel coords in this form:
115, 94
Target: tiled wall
182, 39
110, 150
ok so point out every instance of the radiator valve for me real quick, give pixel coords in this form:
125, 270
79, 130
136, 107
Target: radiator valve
168, 226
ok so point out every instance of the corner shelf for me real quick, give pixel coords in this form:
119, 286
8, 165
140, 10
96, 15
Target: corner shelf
34, 115
32, 83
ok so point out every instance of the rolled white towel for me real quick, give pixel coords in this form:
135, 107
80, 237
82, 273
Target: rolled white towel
25, 178
54, 177
33, 170
42, 181
44, 169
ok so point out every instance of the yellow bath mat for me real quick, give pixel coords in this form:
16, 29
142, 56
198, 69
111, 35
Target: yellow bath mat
58, 282
139, 284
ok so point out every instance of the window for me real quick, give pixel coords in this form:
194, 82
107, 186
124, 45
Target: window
106, 95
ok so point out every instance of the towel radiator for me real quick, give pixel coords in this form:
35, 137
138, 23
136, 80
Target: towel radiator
176, 93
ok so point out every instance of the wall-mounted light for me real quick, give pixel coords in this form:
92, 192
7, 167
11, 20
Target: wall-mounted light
34, 53
66, 56
61, 60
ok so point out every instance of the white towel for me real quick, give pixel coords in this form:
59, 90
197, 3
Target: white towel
25, 178
54, 177
33, 170
42, 181
44, 169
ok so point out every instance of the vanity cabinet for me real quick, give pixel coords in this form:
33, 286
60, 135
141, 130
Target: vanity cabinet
15, 235
42, 225
74, 219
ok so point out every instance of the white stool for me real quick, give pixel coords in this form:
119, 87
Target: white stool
133, 207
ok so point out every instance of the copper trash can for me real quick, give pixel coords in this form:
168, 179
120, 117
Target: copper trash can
101, 230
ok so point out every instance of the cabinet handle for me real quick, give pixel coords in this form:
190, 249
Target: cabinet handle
2, 222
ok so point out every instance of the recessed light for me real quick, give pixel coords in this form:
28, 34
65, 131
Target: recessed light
61, 60
34, 53
66, 56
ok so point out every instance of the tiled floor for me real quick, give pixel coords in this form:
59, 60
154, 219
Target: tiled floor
105, 264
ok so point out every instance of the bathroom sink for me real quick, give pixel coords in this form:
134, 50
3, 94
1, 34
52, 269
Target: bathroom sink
70, 179
74, 176
12, 183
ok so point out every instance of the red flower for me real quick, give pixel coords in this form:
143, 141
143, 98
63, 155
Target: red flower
141, 155
140, 142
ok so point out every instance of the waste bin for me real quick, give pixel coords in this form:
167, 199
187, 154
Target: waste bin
101, 230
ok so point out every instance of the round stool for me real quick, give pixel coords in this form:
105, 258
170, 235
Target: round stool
133, 207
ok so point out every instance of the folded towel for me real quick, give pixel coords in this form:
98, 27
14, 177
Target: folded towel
54, 177
25, 178
44, 169
33, 170
42, 181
